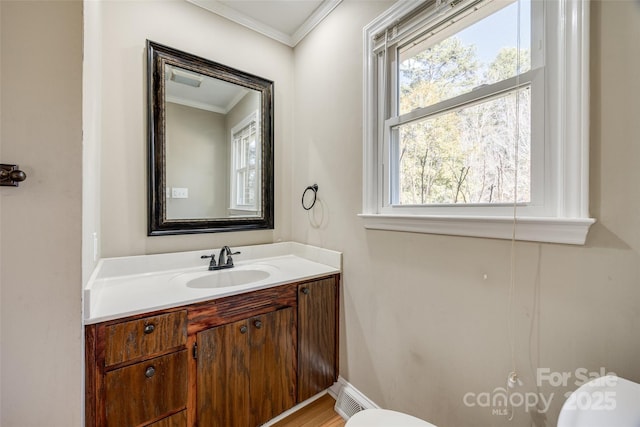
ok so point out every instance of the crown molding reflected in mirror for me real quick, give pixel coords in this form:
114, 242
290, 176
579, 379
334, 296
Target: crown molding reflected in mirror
210, 145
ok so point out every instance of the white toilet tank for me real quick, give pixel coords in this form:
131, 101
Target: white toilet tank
605, 401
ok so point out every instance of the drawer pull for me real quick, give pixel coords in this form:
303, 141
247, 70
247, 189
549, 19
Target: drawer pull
151, 371
257, 324
149, 328
305, 291
243, 329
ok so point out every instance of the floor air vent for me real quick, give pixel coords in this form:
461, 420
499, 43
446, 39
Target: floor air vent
349, 403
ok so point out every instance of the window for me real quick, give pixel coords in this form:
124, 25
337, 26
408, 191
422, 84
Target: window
476, 112
245, 156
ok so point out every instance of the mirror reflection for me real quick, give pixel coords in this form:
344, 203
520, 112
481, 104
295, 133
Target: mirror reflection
210, 145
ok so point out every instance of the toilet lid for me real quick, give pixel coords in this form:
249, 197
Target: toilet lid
385, 418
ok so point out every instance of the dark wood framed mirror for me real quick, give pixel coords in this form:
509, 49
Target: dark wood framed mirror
210, 145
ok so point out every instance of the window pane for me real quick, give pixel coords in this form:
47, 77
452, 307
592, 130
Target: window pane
456, 58
467, 155
249, 191
251, 151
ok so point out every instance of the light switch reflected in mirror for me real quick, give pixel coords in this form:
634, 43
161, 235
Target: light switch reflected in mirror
211, 146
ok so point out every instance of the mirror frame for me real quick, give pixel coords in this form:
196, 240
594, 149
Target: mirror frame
157, 56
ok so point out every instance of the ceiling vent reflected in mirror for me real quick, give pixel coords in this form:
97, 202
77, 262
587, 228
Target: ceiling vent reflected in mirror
200, 91
185, 78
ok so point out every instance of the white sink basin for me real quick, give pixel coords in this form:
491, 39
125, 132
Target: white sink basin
236, 276
225, 278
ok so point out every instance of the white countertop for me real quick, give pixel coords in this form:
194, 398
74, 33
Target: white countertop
121, 287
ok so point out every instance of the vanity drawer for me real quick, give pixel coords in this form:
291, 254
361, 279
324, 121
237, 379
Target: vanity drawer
146, 391
144, 337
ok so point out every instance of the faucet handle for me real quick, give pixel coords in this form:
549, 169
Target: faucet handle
229, 253
213, 259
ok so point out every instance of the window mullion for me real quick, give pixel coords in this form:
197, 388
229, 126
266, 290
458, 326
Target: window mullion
481, 94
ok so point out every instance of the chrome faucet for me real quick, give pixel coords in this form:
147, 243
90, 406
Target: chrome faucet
224, 259
228, 263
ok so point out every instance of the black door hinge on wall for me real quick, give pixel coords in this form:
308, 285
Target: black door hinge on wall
195, 351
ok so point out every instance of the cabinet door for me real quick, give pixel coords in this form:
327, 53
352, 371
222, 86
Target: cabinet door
272, 368
223, 376
317, 337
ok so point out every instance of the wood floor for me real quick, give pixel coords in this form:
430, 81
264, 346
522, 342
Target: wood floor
319, 413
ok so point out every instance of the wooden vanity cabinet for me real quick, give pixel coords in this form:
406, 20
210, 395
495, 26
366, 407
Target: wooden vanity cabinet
235, 361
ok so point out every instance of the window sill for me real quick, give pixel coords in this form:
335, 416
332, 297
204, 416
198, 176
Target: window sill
571, 231
233, 212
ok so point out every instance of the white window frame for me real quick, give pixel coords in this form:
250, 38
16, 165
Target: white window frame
235, 208
561, 215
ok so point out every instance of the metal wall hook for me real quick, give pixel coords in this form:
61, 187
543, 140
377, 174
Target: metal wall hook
10, 175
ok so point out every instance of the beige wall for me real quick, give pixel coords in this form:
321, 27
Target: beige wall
92, 135
40, 269
421, 326
126, 25
247, 105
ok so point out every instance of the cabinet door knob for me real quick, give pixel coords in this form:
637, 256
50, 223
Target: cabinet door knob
305, 291
243, 329
257, 324
151, 371
149, 328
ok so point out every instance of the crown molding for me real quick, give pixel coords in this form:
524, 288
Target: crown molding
314, 19
290, 40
